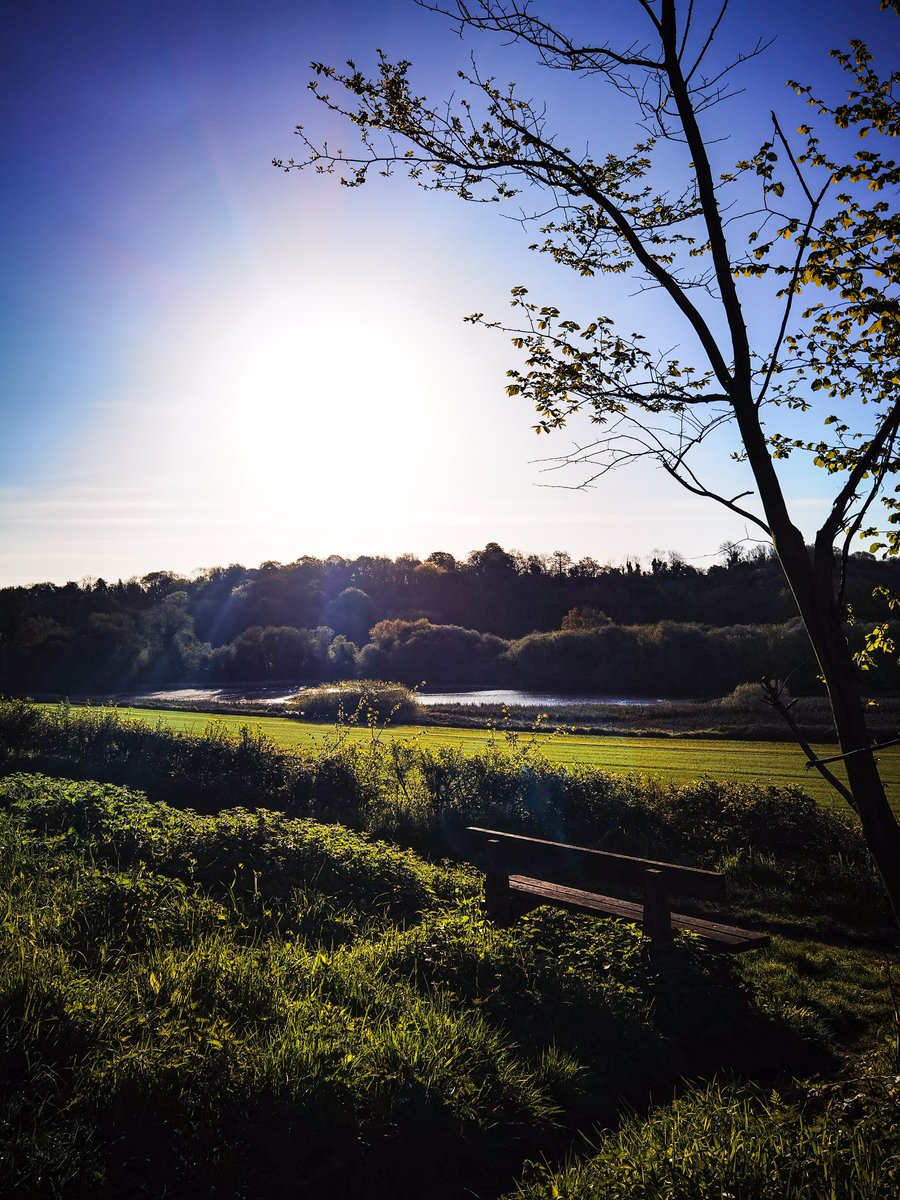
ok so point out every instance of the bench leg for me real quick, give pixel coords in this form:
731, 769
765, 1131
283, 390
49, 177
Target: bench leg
657, 922
496, 884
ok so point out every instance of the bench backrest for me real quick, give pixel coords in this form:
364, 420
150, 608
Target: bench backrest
557, 862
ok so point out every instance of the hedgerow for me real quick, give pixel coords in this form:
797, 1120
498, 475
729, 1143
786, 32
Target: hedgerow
783, 853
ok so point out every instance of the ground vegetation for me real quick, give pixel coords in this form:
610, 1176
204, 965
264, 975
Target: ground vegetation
244, 1002
781, 849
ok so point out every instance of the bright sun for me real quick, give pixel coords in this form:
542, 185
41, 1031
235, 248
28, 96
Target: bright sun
270, 405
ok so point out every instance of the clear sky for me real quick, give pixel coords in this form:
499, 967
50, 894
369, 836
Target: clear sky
205, 360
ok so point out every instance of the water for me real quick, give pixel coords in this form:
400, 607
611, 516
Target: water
528, 699
247, 694
279, 693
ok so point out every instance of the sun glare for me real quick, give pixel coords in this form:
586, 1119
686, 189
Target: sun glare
330, 413
286, 407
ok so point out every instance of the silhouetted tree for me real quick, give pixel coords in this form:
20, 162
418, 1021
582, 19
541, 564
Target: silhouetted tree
352, 614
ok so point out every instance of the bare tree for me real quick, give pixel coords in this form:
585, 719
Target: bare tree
819, 233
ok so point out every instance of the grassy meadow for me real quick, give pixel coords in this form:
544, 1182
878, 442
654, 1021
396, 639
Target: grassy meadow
675, 760
238, 970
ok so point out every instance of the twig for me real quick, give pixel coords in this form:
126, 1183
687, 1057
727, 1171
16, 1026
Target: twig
773, 698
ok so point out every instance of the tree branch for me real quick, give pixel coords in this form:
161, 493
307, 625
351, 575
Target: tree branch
515, 19
707, 193
773, 698
699, 490
581, 183
864, 464
791, 289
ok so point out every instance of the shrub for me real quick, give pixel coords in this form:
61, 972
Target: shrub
362, 701
22, 728
783, 852
208, 771
236, 852
448, 655
746, 697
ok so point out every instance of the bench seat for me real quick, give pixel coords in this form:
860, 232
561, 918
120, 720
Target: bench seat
715, 934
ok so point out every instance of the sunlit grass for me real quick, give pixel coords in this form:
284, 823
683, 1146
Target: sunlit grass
202, 1004
846, 987
676, 760
740, 1142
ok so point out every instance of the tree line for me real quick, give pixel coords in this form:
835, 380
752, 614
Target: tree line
495, 617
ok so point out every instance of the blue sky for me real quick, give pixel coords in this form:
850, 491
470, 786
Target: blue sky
205, 360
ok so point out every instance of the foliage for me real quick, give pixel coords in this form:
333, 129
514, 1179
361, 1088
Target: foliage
351, 613
666, 659
746, 697
280, 622
236, 851
585, 618
666, 214
273, 652
445, 654
625, 213
96, 743
677, 742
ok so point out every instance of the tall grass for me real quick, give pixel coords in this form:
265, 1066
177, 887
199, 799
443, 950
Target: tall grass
740, 1142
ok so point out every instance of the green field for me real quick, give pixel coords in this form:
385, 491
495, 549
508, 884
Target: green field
675, 759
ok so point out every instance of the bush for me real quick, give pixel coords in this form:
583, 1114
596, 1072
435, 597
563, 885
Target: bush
208, 771
357, 701
445, 655
23, 728
746, 697
234, 853
783, 852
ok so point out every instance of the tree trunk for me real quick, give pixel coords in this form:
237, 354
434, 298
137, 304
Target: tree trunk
812, 583
814, 592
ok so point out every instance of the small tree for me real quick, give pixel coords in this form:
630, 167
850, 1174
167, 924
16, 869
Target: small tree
813, 231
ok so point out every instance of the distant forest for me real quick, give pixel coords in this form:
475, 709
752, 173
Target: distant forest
495, 618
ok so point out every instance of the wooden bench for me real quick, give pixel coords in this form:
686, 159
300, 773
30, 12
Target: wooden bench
522, 872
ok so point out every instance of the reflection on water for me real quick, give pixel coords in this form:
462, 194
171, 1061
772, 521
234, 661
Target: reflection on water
280, 693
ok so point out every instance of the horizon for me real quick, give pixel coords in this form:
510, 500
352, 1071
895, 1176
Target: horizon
667, 554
